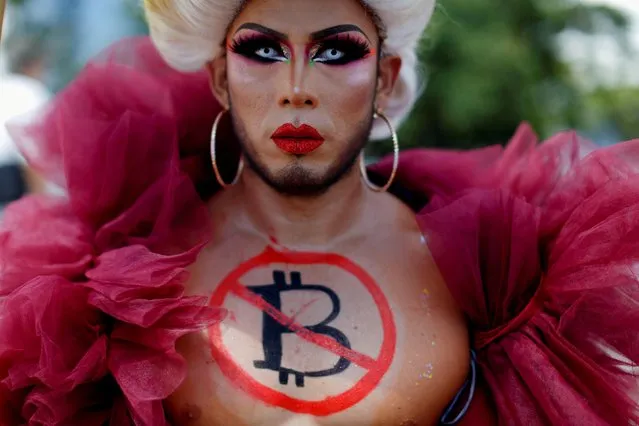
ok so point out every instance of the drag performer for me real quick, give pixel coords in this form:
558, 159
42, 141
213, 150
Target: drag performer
224, 255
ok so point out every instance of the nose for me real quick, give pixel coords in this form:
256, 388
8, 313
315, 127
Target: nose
298, 98
296, 91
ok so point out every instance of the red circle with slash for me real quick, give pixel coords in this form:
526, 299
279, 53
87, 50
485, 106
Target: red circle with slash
376, 368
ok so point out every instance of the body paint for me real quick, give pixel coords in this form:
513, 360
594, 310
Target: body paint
265, 298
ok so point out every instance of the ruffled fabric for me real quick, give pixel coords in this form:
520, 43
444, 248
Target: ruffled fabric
539, 244
92, 295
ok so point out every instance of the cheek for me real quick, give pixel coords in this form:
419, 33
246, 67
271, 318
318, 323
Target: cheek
243, 72
251, 89
350, 90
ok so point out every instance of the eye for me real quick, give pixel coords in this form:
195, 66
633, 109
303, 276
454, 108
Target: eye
260, 49
328, 55
269, 52
341, 50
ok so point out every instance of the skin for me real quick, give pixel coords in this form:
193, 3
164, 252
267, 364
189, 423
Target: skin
333, 213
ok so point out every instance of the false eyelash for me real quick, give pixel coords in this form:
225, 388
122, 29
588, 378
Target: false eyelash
354, 48
246, 45
350, 39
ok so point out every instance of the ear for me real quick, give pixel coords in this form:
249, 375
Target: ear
389, 67
218, 80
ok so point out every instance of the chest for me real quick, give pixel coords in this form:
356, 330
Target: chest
357, 337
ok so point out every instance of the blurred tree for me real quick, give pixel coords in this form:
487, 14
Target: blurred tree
490, 64
618, 108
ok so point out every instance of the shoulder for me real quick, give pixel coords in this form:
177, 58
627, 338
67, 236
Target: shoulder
402, 250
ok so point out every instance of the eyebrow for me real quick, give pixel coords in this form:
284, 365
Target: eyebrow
316, 36
262, 29
322, 34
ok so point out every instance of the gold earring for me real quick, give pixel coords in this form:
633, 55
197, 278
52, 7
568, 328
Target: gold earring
240, 166
362, 164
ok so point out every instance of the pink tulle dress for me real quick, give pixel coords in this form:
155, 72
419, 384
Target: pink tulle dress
539, 244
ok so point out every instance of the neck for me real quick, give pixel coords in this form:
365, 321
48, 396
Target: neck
299, 222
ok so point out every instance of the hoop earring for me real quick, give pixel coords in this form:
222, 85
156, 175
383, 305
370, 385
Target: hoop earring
362, 165
240, 166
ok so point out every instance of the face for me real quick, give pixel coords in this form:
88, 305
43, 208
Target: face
302, 79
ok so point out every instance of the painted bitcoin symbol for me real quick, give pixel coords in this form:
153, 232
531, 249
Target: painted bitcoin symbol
277, 327
272, 330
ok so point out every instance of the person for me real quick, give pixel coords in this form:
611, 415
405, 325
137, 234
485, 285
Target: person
174, 285
22, 92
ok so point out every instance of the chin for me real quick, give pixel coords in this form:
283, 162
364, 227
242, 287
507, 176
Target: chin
301, 180
307, 175
297, 179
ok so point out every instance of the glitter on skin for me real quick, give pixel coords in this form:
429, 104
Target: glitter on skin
428, 374
424, 297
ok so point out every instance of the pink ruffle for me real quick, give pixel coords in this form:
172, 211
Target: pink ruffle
41, 236
542, 257
93, 283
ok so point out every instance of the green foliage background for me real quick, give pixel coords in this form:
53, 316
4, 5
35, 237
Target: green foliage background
490, 64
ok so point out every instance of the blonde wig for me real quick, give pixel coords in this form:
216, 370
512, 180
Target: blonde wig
189, 33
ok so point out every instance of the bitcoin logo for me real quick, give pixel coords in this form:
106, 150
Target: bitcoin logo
272, 330
274, 326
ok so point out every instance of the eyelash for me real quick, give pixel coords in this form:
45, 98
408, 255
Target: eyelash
353, 48
248, 45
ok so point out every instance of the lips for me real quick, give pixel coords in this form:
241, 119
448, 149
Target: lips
297, 140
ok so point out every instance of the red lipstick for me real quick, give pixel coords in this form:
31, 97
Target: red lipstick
297, 140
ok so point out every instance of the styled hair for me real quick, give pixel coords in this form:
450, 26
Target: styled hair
189, 33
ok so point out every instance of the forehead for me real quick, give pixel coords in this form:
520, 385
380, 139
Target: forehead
299, 18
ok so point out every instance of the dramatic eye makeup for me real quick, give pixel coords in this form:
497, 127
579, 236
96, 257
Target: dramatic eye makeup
339, 45
340, 49
260, 47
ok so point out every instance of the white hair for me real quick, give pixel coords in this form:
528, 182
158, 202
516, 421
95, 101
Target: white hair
189, 33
